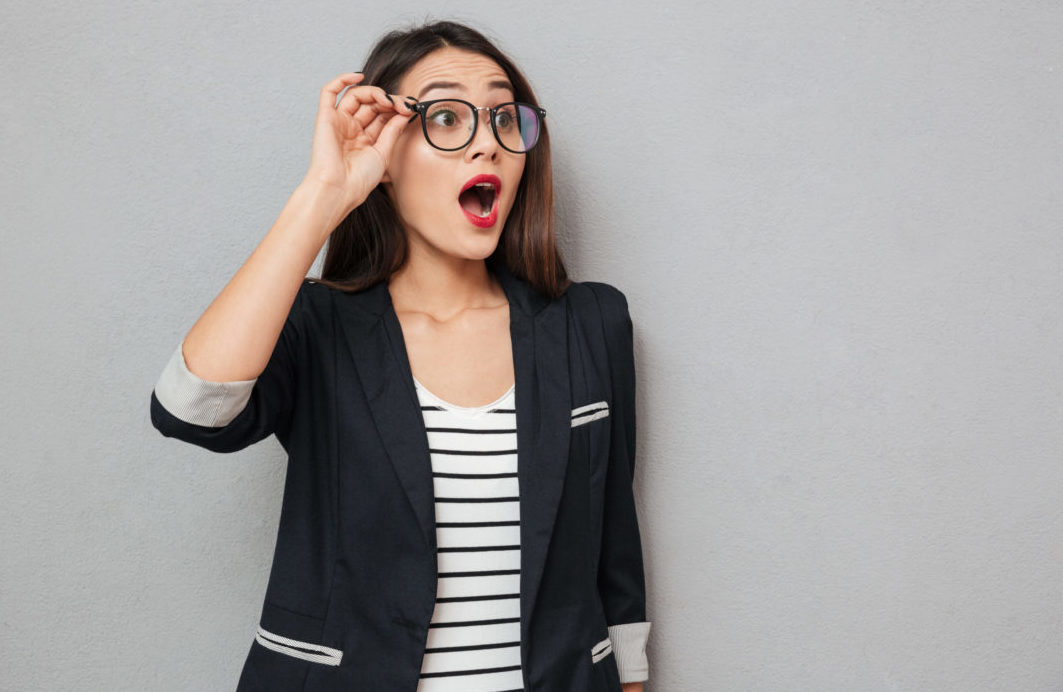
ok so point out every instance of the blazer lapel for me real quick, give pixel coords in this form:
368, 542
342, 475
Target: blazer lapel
374, 337
538, 331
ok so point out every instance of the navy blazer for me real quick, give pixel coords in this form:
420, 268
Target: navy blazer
352, 587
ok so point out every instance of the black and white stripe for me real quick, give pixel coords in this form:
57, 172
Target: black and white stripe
474, 634
293, 647
601, 650
589, 412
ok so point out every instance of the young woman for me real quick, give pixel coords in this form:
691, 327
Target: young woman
459, 417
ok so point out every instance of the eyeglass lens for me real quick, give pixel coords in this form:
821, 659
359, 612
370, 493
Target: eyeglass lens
449, 125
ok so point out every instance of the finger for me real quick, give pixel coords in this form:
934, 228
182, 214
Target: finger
373, 128
364, 94
333, 88
400, 103
356, 96
385, 141
367, 113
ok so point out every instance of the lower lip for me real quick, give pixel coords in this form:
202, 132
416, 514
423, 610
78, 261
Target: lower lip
482, 221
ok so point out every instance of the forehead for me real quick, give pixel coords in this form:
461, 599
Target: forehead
461, 70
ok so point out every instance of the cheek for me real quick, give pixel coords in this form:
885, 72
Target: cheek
516, 175
427, 195
419, 178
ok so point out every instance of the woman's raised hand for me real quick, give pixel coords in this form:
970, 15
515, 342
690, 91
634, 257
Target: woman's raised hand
353, 139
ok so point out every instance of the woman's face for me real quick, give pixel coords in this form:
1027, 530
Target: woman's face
424, 183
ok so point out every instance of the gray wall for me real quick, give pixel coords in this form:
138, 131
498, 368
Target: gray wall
839, 228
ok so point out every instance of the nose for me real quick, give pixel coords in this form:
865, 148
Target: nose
484, 142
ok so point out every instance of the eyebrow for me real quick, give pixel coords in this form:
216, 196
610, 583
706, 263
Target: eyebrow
497, 84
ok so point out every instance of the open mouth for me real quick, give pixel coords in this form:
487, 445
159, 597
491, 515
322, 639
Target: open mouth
478, 199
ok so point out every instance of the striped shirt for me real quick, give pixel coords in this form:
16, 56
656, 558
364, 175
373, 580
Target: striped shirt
474, 635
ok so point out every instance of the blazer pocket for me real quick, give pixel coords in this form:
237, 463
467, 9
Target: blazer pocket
601, 650
293, 647
589, 412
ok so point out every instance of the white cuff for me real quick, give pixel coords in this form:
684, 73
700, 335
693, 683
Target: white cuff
197, 401
629, 648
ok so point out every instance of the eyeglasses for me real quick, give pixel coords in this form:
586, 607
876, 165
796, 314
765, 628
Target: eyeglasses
450, 124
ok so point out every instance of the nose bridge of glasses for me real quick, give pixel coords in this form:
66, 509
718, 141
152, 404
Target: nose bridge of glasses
476, 113
482, 128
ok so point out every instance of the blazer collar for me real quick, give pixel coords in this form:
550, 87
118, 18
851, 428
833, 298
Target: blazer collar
538, 332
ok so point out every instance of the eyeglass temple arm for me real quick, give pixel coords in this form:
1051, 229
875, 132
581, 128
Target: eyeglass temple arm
406, 101
412, 106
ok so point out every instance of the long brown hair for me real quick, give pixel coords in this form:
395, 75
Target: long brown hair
370, 243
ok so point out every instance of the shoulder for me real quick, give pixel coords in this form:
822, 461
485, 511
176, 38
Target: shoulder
609, 300
312, 307
312, 291
610, 305
311, 296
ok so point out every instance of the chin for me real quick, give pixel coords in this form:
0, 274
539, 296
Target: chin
482, 251
477, 243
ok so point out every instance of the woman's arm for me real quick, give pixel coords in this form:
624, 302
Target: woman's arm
621, 580
231, 382
353, 140
211, 378
234, 337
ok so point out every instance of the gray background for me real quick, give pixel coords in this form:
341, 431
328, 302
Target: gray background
838, 225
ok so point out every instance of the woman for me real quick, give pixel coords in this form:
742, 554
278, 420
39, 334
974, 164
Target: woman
459, 416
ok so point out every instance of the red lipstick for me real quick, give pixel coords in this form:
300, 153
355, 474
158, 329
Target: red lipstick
486, 186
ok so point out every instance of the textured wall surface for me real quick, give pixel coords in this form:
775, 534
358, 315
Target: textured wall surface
838, 225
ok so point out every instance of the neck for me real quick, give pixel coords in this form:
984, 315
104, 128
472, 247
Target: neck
443, 287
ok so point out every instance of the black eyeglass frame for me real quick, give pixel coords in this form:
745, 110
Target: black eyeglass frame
422, 108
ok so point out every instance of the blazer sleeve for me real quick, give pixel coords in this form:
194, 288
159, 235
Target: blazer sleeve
229, 416
621, 581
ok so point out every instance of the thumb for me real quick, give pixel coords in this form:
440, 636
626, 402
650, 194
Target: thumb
385, 141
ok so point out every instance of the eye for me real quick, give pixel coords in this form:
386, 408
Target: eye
504, 118
444, 117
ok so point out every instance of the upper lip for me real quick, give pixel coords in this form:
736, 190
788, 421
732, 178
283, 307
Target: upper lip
484, 178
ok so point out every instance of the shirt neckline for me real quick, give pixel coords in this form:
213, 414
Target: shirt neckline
464, 409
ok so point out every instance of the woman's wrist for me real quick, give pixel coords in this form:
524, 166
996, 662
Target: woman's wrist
329, 201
